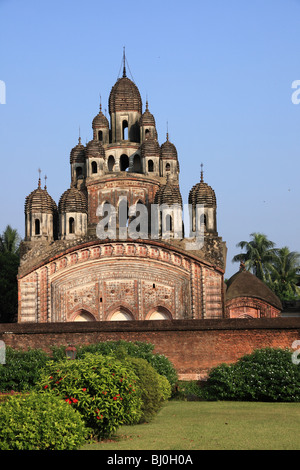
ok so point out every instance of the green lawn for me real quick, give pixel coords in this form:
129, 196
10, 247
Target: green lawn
213, 426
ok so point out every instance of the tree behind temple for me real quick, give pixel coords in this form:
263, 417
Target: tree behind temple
9, 263
284, 273
10, 241
259, 255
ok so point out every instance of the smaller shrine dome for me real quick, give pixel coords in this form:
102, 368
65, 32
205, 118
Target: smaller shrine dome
40, 201
168, 194
73, 200
245, 284
147, 119
168, 150
100, 121
150, 147
77, 154
94, 147
202, 193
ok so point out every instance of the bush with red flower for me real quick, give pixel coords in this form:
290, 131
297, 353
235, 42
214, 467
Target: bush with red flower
103, 389
39, 421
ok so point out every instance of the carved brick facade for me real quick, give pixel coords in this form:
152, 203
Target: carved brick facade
142, 279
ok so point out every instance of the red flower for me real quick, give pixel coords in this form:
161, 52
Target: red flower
68, 401
84, 389
74, 400
114, 398
46, 386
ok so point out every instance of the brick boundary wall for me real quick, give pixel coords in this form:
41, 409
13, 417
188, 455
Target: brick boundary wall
193, 346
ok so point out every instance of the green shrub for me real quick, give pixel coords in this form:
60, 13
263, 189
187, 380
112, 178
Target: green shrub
264, 375
133, 349
22, 369
40, 422
189, 390
164, 387
153, 389
104, 390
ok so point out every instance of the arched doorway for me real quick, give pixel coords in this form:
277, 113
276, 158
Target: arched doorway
121, 314
137, 165
159, 313
124, 162
111, 163
84, 316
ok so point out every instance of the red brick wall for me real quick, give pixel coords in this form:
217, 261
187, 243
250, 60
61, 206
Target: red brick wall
193, 346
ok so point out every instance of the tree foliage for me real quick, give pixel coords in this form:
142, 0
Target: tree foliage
278, 267
9, 263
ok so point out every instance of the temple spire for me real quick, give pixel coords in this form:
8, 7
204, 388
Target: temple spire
124, 63
201, 179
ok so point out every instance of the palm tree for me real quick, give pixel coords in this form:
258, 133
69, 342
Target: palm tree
9, 241
258, 256
9, 262
284, 273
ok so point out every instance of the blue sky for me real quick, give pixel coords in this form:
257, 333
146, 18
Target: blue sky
220, 73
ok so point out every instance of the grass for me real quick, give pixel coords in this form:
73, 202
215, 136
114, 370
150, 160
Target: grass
212, 426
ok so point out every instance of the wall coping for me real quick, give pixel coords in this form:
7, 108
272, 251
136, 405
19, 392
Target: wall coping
151, 326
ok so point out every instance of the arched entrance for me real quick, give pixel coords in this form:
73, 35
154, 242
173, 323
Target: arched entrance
83, 316
159, 313
121, 314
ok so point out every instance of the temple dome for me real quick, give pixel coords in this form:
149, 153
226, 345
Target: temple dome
168, 194
77, 154
73, 200
124, 96
202, 193
100, 121
245, 284
147, 119
150, 147
168, 150
94, 147
40, 200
